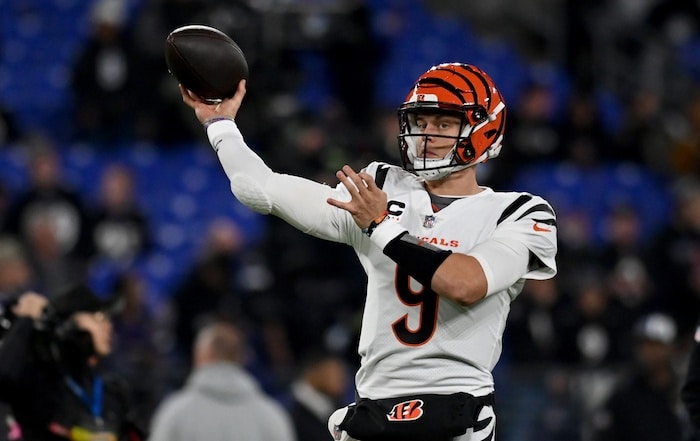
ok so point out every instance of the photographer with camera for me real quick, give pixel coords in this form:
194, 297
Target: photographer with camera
50, 373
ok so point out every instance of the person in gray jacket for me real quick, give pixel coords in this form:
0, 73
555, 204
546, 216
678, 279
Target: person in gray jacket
220, 401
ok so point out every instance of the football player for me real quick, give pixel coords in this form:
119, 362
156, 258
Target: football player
444, 255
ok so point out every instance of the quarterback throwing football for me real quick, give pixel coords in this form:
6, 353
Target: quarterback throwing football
444, 256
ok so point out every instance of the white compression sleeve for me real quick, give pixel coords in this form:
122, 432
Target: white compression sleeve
300, 202
247, 173
503, 262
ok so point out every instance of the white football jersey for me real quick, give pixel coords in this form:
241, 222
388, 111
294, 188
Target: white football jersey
413, 341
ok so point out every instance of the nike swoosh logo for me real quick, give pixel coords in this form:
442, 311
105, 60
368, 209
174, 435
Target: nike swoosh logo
538, 228
481, 425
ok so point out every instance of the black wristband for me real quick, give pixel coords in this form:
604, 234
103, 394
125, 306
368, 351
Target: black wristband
418, 258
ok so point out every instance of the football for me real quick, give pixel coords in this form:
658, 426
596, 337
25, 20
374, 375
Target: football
206, 61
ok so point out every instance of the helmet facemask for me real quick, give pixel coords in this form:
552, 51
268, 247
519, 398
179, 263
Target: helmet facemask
410, 138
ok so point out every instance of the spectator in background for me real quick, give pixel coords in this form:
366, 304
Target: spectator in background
560, 419
690, 392
533, 133
582, 134
625, 258
138, 359
51, 375
353, 53
534, 327
15, 278
16, 275
228, 280
106, 78
120, 228
676, 257
51, 266
677, 18
589, 332
209, 288
643, 406
642, 136
51, 219
221, 401
318, 391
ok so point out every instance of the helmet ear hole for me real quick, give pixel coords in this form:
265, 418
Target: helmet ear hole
478, 115
465, 152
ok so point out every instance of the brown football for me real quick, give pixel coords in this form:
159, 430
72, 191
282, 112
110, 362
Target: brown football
206, 61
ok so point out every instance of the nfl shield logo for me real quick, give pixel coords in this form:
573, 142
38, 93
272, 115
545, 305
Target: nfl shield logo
429, 221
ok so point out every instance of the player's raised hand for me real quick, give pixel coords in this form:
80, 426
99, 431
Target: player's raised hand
367, 201
227, 108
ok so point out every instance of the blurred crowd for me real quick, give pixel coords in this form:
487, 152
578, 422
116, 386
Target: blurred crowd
605, 82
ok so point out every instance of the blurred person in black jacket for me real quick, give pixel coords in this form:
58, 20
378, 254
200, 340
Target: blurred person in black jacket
50, 217
644, 404
106, 79
690, 392
209, 288
317, 392
15, 277
50, 372
121, 232
675, 252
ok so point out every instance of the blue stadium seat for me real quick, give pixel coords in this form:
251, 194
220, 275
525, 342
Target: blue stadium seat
597, 191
